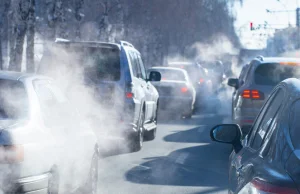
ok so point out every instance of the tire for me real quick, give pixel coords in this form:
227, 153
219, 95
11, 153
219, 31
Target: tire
53, 182
136, 143
92, 182
150, 135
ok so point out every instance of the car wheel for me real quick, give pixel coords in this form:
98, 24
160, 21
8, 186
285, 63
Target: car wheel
138, 139
92, 182
53, 182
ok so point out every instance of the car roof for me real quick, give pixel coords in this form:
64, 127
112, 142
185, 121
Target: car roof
279, 60
293, 86
13, 75
181, 63
88, 43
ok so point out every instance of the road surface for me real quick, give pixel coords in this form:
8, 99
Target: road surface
181, 160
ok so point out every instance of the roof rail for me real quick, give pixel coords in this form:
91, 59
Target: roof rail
260, 57
124, 43
62, 40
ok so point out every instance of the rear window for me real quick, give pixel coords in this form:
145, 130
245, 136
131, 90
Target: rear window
99, 63
102, 63
273, 73
13, 100
171, 75
195, 73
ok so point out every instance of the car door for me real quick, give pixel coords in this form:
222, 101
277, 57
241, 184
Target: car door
243, 161
150, 92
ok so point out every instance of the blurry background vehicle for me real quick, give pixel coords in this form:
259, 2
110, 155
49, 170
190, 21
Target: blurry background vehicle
200, 80
216, 73
266, 161
255, 84
44, 146
176, 91
117, 75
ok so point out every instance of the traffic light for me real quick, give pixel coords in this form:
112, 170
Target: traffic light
298, 17
251, 26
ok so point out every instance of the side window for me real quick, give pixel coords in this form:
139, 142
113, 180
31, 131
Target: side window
135, 65
243, 74
266, 121
142, 67
295, 124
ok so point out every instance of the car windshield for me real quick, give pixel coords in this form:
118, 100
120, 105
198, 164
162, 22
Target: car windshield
13, 100
171, 75
272, 73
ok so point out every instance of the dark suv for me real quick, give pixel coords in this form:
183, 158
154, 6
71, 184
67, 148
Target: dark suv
117, 75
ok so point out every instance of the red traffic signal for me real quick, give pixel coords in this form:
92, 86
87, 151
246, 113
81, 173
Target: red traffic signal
251, 26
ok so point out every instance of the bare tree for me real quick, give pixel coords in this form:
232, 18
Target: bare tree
30, 66
20, 14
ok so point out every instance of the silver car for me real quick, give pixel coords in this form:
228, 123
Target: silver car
254, 85
176, 91
44, 148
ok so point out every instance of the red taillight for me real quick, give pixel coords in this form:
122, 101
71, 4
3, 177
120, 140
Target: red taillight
251, 94
270, 188
184, 90
201, 80
246, 94
129, 95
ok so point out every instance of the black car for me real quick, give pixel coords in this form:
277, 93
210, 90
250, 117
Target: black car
117, 75
268, 159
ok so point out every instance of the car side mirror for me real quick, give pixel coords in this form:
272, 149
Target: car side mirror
233, 82
154, 76
228, 133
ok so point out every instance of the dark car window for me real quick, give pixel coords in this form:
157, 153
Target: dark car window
243, 74
267, 120
14, 102
142, 67
195, 73
171, 74
135, 65
295, 124
273, 73
102, 63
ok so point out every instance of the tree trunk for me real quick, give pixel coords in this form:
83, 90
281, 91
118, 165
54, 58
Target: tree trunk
30, 67
18, 49
1, 54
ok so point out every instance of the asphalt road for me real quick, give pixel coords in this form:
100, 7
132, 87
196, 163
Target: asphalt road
182, 159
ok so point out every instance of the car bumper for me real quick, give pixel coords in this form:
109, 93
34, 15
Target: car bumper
171, 103
31, 185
